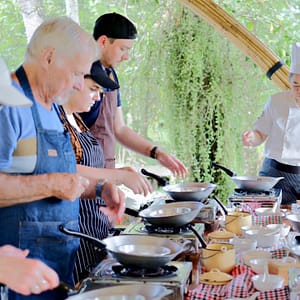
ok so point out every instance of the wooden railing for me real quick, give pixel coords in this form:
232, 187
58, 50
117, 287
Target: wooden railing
248, 43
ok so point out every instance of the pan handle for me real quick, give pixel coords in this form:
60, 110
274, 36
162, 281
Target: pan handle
66, 290
221, 205
200, 238
160, 180
227, 171
97, 242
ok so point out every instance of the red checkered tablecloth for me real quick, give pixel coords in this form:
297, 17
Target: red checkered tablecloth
240, 286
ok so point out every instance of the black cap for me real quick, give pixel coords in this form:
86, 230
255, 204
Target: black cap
114, 26
99, 75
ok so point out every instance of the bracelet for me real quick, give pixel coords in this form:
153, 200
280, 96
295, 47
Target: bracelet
153, 152
99, 187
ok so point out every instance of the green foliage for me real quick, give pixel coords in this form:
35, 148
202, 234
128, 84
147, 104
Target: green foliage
185, 87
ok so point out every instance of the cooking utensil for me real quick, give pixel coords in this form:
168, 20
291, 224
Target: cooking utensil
149, 261
219, 256
234, 221
174, 215
185, 191
144, 250
220, 236
250, 183
148, 291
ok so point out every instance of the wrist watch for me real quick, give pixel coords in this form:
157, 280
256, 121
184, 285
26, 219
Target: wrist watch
99, 187
153, 153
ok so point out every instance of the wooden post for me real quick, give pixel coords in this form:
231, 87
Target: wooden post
242, 38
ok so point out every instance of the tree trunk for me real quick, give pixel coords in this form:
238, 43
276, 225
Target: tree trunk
72, 10
33, 15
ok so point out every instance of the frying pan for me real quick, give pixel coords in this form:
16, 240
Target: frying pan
148, 291
186, 191
174, 215
250, 183
115, 246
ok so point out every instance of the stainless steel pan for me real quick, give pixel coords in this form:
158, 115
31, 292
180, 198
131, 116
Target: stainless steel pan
148, 291
160, 250
250, 183
185, 191
174, 214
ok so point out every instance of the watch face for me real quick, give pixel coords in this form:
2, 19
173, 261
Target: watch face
99, 187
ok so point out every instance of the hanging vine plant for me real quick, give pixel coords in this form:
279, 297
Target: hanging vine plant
207, 112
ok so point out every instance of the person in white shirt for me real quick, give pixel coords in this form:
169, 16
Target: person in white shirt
279, 127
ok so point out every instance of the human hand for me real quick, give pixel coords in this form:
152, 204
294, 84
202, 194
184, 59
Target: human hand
115, 202
138, 183
68, 186
172, 163
9, 250
27, 276
248, 137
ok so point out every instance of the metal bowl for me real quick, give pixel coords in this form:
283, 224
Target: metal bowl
255, 183
193, 191
294, 219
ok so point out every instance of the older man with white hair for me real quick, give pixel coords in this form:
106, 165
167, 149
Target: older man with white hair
17, 271
38, 151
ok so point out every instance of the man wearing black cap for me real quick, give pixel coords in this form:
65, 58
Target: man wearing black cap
115, 35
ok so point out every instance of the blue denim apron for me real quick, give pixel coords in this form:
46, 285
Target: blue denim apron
34, 225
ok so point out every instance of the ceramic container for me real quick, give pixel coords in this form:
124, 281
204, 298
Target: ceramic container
267, 282
255, 254
235, 220
220, 236
266, 238
241, 244
219, 256
258, 264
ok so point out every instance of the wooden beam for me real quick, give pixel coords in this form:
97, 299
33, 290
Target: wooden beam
248, 43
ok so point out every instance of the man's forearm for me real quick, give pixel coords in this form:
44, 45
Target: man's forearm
17, 189
134, 141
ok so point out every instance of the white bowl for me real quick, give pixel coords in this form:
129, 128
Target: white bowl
268, 211
242, 244
283, 228
258, 264
267, 282
266, 238
252, 227
255, 254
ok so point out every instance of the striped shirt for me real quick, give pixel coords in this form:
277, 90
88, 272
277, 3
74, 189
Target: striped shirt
91, 220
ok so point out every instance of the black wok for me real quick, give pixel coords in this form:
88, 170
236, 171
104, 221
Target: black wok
135, 250
250, 183
185, 191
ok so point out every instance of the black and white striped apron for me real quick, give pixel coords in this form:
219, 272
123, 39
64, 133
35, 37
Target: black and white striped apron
91, 220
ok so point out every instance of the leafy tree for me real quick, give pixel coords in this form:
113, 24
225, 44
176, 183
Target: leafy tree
185, 86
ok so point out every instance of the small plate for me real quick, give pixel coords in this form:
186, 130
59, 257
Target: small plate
144, 250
